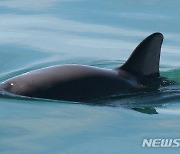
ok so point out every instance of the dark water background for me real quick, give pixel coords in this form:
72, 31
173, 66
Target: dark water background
36, 34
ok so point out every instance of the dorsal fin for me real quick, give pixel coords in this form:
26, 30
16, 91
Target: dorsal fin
144, 61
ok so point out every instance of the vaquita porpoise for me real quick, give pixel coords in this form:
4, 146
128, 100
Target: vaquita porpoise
73, 82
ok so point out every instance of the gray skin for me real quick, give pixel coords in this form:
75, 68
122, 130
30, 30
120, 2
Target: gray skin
70, 82
80, 83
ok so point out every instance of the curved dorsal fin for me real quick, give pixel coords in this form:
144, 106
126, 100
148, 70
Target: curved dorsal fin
144, 60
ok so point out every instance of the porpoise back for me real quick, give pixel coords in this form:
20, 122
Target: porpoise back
79, 82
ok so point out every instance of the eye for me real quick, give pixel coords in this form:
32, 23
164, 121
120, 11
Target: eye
11, 84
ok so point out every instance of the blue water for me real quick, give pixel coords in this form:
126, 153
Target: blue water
99, 33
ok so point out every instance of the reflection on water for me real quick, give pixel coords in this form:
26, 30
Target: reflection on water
97, 33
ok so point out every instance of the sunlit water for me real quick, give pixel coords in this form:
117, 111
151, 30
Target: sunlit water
35, 34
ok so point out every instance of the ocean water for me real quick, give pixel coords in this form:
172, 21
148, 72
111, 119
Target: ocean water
40, 33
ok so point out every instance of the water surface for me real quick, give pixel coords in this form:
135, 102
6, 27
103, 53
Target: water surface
91, 32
